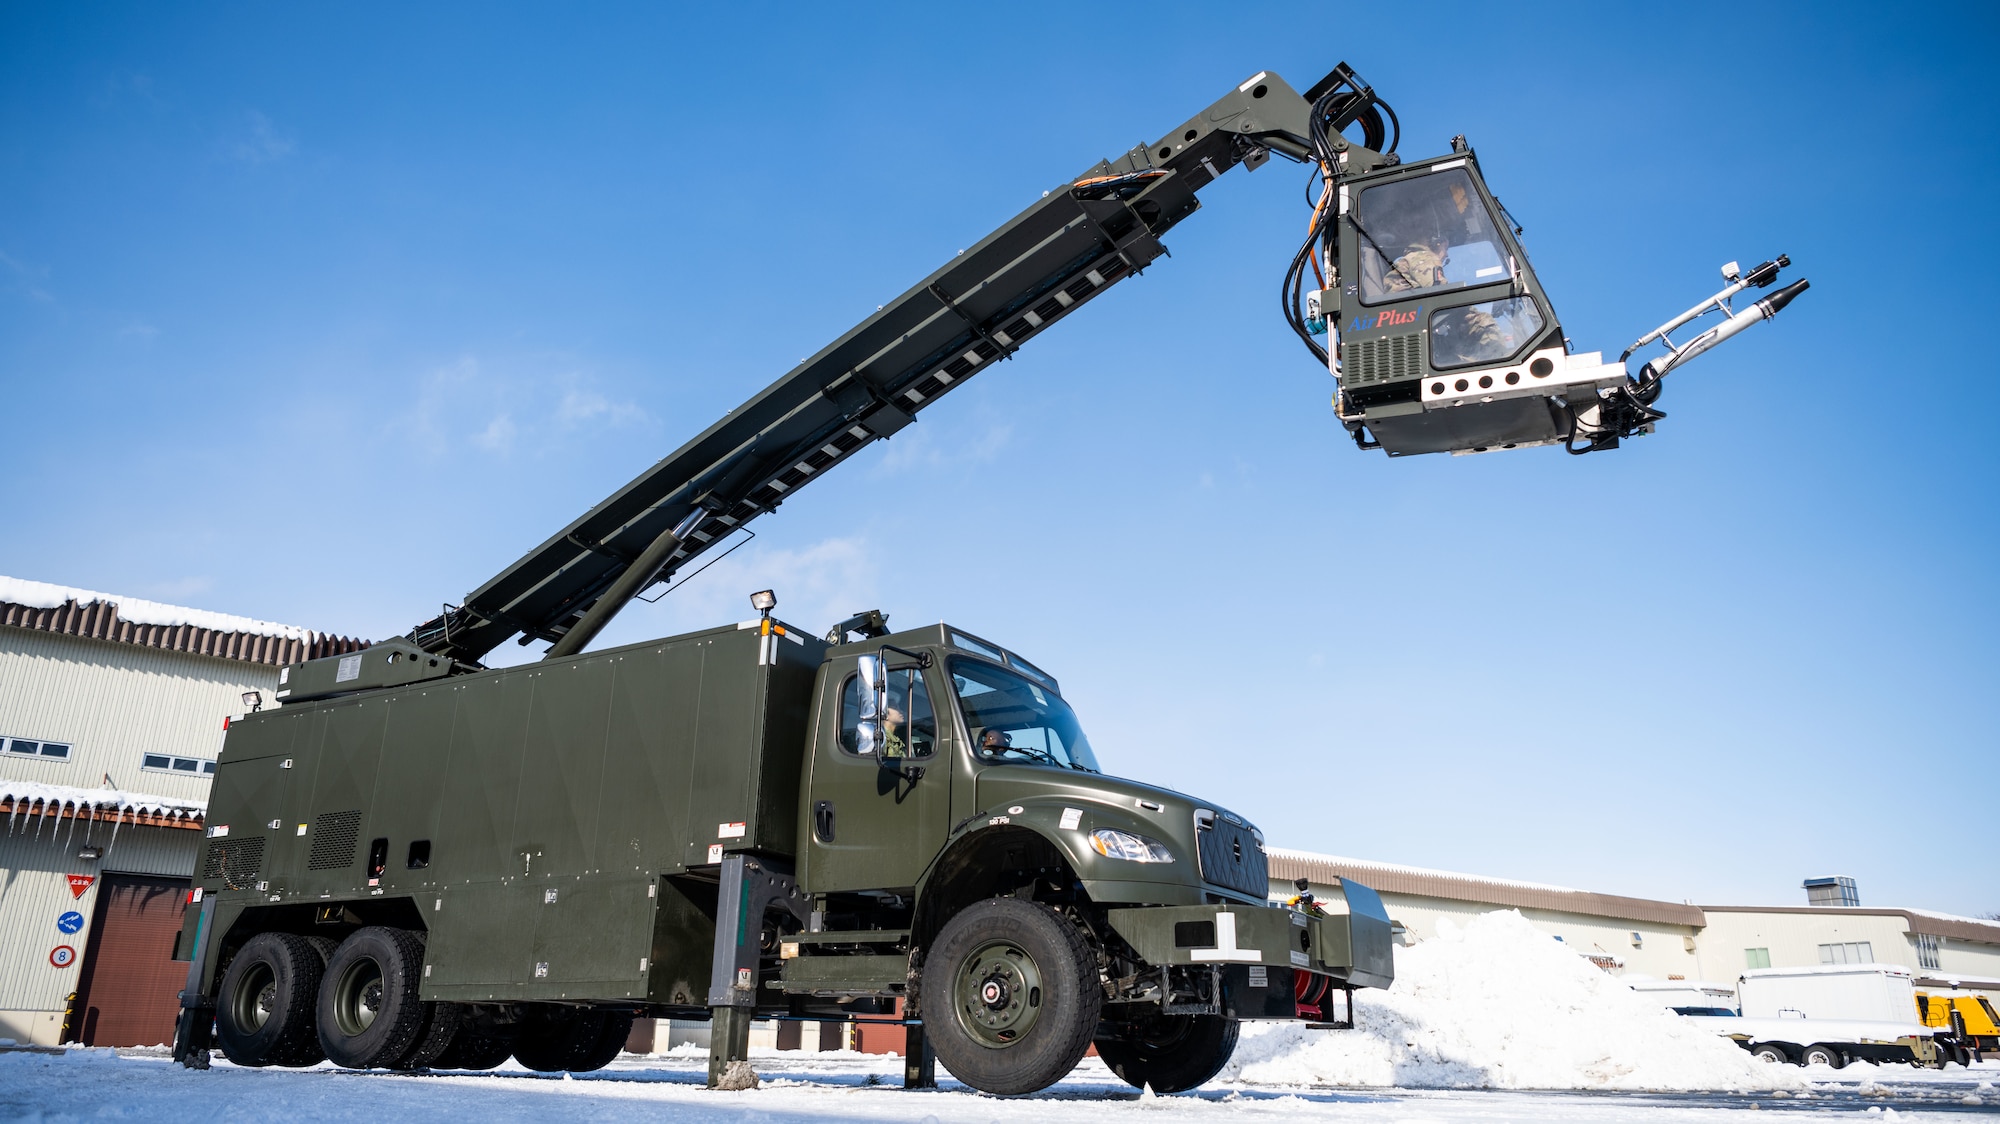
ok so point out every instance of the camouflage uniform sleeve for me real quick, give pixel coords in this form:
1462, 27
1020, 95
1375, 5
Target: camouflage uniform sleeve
1417, 269
1484, 334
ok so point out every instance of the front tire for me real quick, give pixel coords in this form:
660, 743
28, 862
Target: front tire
369, 1013
264, 1008
1768, 1052
1170, 1053
1010, 996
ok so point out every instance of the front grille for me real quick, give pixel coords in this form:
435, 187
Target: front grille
1230, 856
334, 836
234, 861
1382, 359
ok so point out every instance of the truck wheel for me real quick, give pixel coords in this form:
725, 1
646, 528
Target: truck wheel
1769, 1052
471, 1050
1011, 996
557, 1039
264, 1008
369, 1013
610, 1043
434, 1036
1170, 1053
1822, 1054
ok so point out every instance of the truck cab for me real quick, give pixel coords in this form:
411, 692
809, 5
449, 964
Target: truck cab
975, 744
952, 804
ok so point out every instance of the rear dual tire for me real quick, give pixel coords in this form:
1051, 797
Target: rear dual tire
368, 1011
571, 1039
264, 1008
296, 1001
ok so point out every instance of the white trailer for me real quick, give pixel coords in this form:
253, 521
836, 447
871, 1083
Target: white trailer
1829, 1015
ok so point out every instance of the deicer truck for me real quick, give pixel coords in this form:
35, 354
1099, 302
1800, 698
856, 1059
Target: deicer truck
419, 861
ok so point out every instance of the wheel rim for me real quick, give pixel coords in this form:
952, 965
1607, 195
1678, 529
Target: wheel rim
255, 996
997, 993
357, 997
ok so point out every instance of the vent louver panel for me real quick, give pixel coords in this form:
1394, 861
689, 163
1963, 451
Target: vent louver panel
1383, 359
334, 837
234, 861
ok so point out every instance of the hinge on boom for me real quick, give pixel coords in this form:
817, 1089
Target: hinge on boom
938, 291
597, 547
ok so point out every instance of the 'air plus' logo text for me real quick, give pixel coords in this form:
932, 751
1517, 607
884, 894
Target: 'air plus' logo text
1387, 318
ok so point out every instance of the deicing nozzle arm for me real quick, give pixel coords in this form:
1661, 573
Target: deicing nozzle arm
1762, 310
1758, 278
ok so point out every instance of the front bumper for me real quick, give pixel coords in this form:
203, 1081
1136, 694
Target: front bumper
1354, 948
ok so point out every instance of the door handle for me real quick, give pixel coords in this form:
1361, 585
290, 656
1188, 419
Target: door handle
823, 820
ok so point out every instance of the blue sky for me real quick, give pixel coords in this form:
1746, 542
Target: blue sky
325, 314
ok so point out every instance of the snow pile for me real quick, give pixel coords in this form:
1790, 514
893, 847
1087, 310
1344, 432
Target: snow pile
42, 595
1498, 1004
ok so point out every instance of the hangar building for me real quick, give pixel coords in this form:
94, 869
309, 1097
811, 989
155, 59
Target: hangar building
111, 714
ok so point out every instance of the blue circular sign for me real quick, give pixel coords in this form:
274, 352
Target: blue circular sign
71, 922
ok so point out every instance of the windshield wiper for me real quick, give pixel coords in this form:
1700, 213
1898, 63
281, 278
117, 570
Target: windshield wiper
1033, 754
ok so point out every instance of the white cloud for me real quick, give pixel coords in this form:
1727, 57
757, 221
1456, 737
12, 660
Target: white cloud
260, 142
507, 406
916, 448
581, 405
22, 278
442, 396
498, 436
817, 584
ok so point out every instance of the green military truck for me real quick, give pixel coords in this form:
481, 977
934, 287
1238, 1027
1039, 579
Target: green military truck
421, 861
745, 822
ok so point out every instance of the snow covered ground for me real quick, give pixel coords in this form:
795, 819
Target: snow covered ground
1491, 1021
798, 1088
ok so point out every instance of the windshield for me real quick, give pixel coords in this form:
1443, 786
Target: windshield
1429, 233
1011, 718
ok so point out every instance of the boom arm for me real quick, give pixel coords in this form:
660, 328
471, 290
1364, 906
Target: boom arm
1038, 267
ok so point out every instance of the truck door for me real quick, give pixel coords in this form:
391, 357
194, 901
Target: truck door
875, 824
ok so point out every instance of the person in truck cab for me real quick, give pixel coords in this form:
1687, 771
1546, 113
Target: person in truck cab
994, 742
893, 743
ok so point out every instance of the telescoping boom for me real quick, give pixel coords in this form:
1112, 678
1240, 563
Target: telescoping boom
1438, 335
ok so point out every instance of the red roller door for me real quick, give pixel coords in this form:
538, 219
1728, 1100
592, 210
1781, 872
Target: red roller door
130, 991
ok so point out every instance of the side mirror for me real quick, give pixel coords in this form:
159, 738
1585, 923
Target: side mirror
874, 705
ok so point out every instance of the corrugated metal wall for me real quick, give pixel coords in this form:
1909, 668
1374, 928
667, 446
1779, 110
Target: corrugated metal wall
35, 893
100, 619
114, 703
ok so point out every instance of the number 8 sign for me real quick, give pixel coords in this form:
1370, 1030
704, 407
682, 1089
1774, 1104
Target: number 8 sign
62, 956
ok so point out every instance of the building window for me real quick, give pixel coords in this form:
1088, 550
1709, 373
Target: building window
1927, 950
28, 747
160, 762
1852, 952
1757, 958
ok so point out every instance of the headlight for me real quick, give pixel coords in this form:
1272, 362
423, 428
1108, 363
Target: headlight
1114, 844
